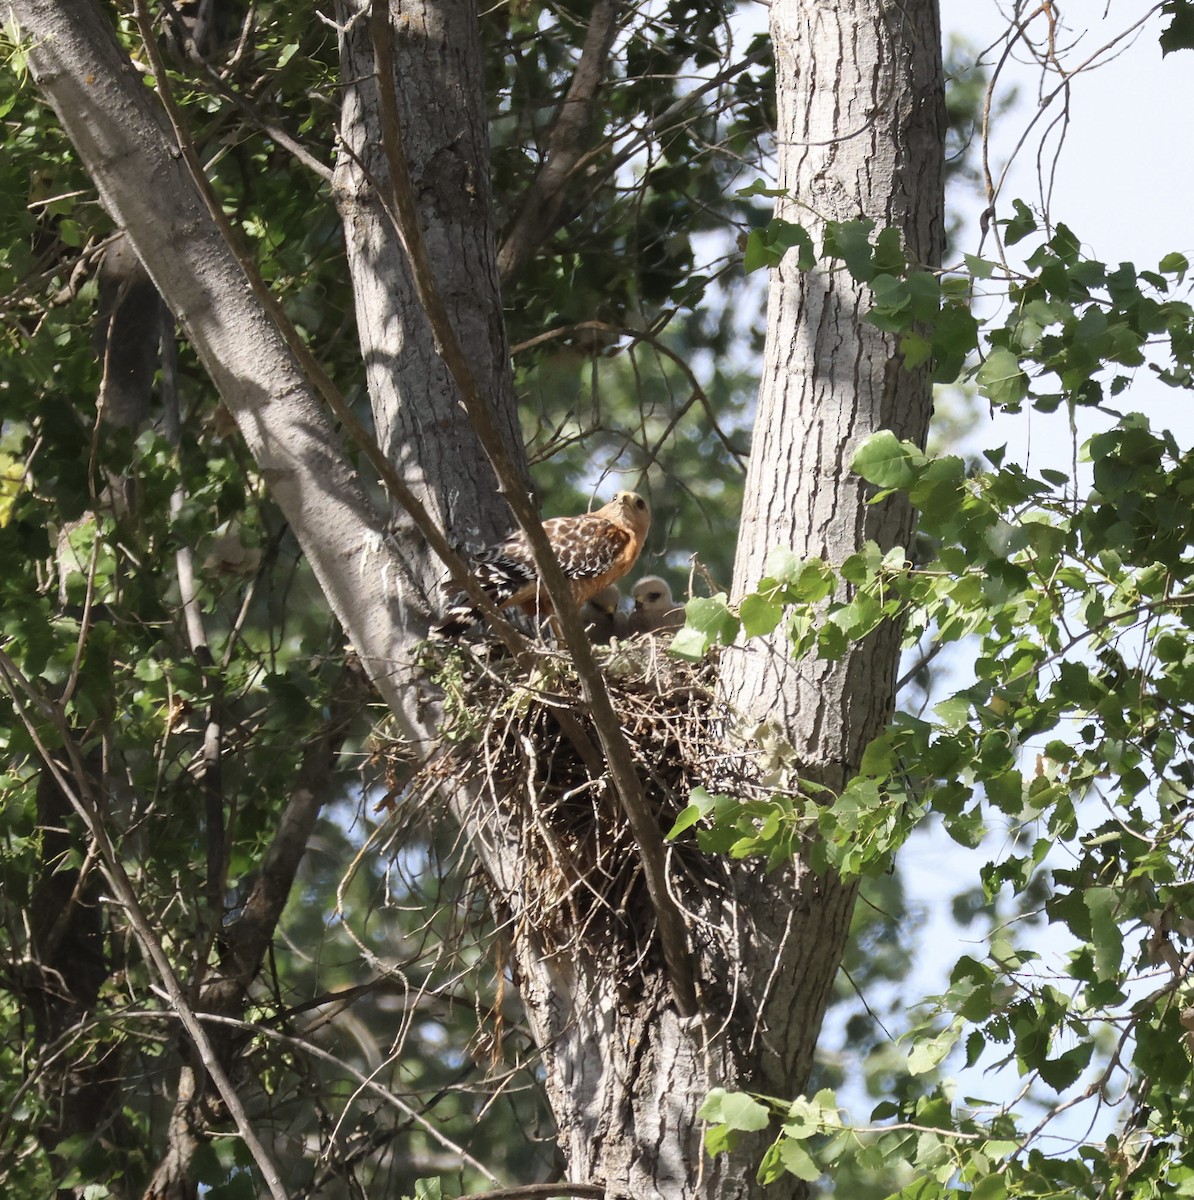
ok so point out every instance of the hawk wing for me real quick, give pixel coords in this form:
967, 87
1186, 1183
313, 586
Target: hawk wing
588, 546
593, 550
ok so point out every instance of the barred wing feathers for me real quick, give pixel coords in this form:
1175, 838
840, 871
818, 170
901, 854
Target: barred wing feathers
594, 550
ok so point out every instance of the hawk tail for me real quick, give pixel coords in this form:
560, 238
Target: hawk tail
499, 580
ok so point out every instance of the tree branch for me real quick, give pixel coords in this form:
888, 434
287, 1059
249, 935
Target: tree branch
529, 1191
643, 824
668, 119
248, 938
539, 215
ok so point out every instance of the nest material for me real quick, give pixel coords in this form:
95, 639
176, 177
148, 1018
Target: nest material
533, 747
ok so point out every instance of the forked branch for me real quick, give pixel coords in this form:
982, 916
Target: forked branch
566, 144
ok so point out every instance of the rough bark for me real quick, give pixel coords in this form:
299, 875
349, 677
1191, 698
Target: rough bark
861, 134
118, 129
417, 412
595, 1040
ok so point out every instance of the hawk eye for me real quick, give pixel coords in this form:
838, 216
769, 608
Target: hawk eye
639, 502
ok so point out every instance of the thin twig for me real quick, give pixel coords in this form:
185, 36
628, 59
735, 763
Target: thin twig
528, 1191
211, 780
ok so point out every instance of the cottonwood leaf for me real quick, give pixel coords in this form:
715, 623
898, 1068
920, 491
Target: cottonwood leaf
887, 462
735, 1110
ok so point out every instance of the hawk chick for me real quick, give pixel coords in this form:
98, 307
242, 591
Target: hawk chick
593, 549
654, 609
602, 617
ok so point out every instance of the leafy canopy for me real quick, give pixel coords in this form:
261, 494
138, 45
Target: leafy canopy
1066, 755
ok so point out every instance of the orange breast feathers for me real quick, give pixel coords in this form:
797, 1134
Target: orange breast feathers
594, 550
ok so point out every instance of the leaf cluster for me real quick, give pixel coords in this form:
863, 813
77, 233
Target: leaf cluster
1063, 757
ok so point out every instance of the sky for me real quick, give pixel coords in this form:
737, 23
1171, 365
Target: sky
1121, 177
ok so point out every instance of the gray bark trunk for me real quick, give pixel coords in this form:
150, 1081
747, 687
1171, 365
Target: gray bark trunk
117, 128
861, 129
420, 423
861, 134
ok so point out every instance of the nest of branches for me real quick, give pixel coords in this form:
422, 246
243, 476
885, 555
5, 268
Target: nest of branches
524, 746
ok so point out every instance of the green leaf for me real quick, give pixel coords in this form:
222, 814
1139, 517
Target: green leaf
771, 1167
767, 247
1103, 905
1021, 225
887, 462
880, 757
1063, 1072
759, 616
690, 644
925, 1188
687, 818
928, 1053
760, 188
990, 1187
735, 1110
980, 268
431, 1188
1174, 264
1179, 33
710, 622
815, 581
719, 1139
850, 241
1001, 379
797, 1161
701, 804
782, 564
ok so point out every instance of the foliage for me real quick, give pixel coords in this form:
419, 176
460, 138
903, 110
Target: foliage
1062, 755
631, 331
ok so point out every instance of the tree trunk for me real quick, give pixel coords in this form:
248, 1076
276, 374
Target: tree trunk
421, 425
861, 134
624, 1071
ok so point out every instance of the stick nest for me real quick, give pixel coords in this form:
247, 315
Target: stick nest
528, 742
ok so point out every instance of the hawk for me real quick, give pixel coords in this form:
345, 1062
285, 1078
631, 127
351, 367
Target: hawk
654, 609
594, 550
602, 617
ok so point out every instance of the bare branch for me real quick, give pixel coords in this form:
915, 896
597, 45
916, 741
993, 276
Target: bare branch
539, 215
643, 825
